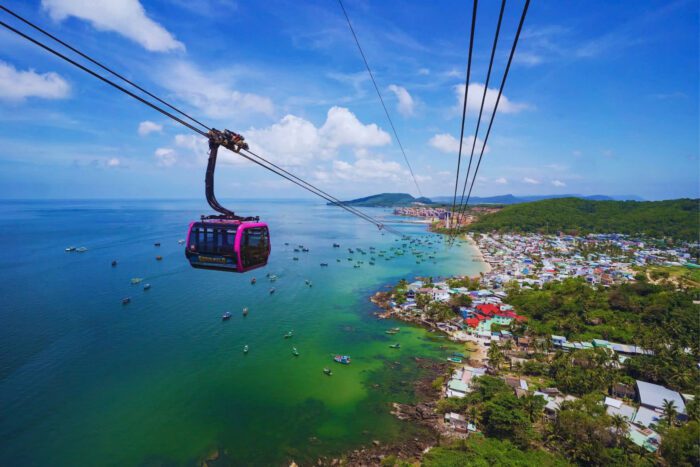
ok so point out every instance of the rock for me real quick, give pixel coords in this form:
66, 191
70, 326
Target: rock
376, 442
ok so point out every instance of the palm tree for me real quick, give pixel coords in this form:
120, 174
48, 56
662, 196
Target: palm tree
619, 424
670, 412
495, 356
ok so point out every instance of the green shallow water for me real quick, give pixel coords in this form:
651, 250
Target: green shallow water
85, 380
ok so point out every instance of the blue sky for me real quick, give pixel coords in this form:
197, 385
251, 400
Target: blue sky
602, 98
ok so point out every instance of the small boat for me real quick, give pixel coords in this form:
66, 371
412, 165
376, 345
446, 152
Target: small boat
70, 248
245, 349
286, 243
295, 259
324, 264
245, 311
159, 258
356, 266
338, 260
272, 290
114, 263
82, 249
305, 250
371, 263
156, 244
273, 278
327, 371
226, 316
126, 300
295, 352
395, 346
181, 242
457, 354
136, 280
146, 286
395, 329
253, 280
289, 334
342, 359
336, 245
454, 359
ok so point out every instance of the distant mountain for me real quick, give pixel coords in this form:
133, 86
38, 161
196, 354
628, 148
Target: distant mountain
387, 200
512, 199
672, 218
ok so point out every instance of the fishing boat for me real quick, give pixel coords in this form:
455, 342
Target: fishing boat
70, 248
146, 286
114, 263
338, 260
295, 259
273, 278
226, 316
454, 359
82, 249
295, 352
136, 280
159, 258
245, 311
289, 334
253, 280
327, 371
324, 264
156, 244
245, 349
342, 359
336, 245
395, 346
126, 300
181, 241
272, 290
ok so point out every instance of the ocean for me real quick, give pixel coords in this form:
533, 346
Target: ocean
86, 380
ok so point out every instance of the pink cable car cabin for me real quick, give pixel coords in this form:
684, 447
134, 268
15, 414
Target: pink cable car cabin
226, 242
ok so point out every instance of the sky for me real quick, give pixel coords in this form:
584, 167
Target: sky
602, 98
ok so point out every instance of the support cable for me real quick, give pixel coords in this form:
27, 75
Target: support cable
376, 88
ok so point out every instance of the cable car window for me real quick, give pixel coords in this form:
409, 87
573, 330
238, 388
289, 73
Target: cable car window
254, 247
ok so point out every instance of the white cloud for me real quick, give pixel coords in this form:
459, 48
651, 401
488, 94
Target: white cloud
528, 58
17, 85
406, 103
558, 183
476, 92
296, 141
165, 157
367, 171
448, 144
576, 153
147, 127
608, 153
125, 17
531, 181
113, 162
423, 71
210, 95
501, 181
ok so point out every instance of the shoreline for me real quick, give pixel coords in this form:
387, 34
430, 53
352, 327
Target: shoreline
479, 254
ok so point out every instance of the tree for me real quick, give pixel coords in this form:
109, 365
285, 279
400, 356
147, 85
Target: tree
495, 356
619, 425
680, 447
670, 412
459, 300
422, 300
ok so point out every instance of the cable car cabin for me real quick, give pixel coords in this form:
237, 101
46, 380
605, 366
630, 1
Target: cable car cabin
228, 245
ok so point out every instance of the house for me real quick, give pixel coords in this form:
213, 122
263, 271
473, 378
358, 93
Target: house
457, 422
622, 390
617, 407
457, 388
647, 417
653, 396
644, 437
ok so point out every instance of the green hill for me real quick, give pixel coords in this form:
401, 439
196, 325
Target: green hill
386, 200
673, 218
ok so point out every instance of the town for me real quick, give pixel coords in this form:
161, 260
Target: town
502, 343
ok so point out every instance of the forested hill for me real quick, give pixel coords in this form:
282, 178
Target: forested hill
386, 200
678, 218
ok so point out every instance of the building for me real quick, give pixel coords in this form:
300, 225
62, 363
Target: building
652, 396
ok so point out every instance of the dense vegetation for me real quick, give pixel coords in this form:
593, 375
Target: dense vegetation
486, 452
654, 316
677, 219
386, 200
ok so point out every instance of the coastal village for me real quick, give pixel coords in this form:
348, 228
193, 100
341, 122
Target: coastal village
494, 332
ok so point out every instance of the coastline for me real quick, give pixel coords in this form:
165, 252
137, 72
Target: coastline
479, 254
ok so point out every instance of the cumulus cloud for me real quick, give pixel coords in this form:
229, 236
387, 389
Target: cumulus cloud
406, 103
125, 17
212, 96
448, 144
148, 127
165, 157
476, 91
531, 181
501, 181
558, 183
295, 141
17, 85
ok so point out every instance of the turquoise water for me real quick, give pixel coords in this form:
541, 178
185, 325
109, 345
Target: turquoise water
85, 380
